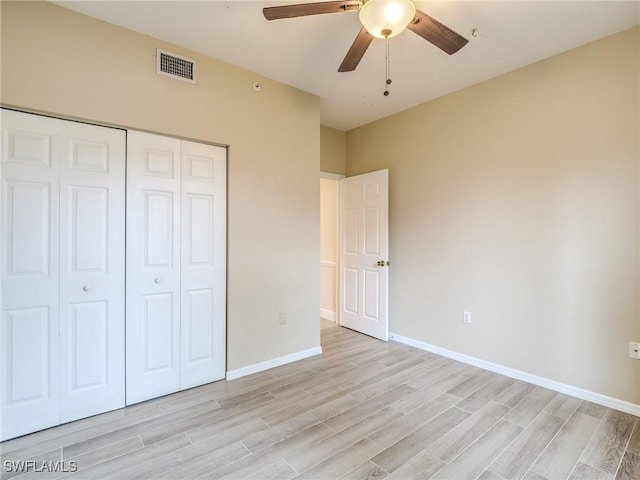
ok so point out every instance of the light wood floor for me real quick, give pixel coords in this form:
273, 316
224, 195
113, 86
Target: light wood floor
365, 409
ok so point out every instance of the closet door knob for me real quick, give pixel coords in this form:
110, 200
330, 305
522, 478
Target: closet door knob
157, 280
86, 288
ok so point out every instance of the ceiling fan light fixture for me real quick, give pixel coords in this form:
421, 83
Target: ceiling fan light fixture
387, 18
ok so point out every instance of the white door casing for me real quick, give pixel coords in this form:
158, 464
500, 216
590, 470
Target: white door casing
62, 349
364, 253
153, 266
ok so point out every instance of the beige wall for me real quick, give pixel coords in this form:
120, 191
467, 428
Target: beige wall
517, 199
333, 150
328, 246
58, 61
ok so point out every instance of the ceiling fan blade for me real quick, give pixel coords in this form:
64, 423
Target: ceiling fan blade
355, 53
304, 9
435, 32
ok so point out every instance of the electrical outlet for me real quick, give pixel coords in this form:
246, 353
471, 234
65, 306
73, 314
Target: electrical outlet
466, 317
283, 318
634, 350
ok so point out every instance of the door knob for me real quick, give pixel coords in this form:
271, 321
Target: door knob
157, 280
86, 288
380, 263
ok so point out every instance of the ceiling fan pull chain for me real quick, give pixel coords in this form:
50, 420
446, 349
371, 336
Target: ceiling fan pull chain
388, 75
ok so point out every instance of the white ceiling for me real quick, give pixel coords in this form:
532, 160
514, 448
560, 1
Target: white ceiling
305, 52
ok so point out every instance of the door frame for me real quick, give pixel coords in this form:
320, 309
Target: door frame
337, 177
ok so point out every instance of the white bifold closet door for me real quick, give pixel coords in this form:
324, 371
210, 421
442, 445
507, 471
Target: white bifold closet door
176, 265
62, 292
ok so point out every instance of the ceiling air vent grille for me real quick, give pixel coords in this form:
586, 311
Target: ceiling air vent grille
176, 66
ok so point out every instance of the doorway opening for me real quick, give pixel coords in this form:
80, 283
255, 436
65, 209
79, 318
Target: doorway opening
329, 229
354, 252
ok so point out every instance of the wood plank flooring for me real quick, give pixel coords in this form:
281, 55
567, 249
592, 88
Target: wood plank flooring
364, 409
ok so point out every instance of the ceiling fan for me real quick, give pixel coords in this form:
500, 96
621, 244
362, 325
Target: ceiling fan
379, 18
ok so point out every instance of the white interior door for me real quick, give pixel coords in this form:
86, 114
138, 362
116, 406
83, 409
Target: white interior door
364, 253
203, 274
153, 266
30, 271
176, 265
62, 293
92, 196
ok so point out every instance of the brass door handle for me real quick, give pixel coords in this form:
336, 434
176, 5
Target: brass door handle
382, 263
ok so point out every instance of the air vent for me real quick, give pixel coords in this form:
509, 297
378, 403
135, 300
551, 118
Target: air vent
176, 66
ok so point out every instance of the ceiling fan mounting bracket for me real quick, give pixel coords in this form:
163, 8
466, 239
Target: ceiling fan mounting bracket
348, 7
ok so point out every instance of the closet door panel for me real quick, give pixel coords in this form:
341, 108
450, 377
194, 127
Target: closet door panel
29, 300
203, 275
153, 266
28, 234
158, 328
92, 183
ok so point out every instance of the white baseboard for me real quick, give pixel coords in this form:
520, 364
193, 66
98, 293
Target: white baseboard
327, 314
588, 395
276, 362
